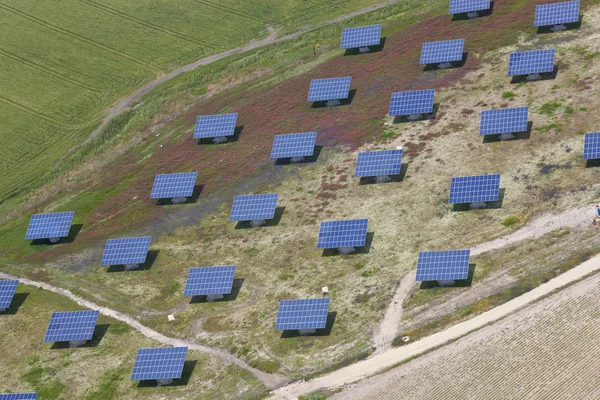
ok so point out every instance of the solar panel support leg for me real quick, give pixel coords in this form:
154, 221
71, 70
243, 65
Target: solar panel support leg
478, 205
473, 14
444, 65
415, 117
333, 103
258, 222
219, 139
130, 267
76, 343
297, 159
346, 250
559, 27
213, 297
163, 382
533, 77
304, 332
365, 49
178, 200
382, 179
54, 240
446, 283
506, 136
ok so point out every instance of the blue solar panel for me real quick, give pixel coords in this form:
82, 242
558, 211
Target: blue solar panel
302, 314
361, 36
19, 396
443, 265
591, 146
253, 207
505, 120
329, 89
209, 280
173, 185
531, 62
160, 363
46, 226
474, 189
71, 326
378, 163
444, 51
7, 292
465, 6
556, 13
210, 126
414, 102
346, 233
126, 251
294, 145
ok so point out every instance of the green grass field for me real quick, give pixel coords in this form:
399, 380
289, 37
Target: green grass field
62, 64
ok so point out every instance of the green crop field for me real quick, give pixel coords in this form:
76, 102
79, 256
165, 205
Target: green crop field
63, 63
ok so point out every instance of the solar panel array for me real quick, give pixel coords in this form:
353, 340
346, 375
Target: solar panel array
505, 120
168, 186
556, 13
209, 280
465, 6
253, 207
7, 292
18, 396
302, 314
329, 89
413, 102
126, 251
531, 62
444, 51
474, 189
378, 163
159, 363
210, 126
294, 145
71, 325
345, 233
361, 36
46, 226
443, 265
591, 146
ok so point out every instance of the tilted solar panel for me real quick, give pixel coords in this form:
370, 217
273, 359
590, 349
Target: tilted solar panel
159, 363
413, 102
376, 163
18, 396
173, 185
71, 326
474, 189
361, 36
302, 314
124, 251
443, 265
556, 13
504, 120
591, 146
329, 89
253, 207
210, 126
46, 226
345, 233
294, 145
7, 292
531, 62
465, 6
443, 51
209, 280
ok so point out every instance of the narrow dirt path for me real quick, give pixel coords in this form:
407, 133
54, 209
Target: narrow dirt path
269, 380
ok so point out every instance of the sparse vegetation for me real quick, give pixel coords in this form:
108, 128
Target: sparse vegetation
510, 221
508, 95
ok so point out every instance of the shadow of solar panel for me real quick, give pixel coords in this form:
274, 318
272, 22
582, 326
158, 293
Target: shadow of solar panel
329, 89
159, 363
7, 292
474, 189
505, 120
443, 265
71, 326
531, 62
209, 280
253, 207
413, 102
346, 233
46, 226
302, 314
556, 13
444, 51
18, 396
591, 146
294, 145
173, 185
376, 163
125, 251
465, 6
361, 36
210, 126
